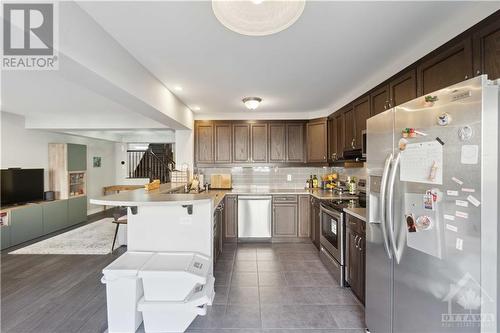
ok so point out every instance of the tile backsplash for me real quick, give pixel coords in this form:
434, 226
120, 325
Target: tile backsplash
275, 177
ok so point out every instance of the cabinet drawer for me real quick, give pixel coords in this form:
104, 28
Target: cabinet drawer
284, 198
355, 224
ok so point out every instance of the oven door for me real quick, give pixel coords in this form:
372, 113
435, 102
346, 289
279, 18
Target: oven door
332, 233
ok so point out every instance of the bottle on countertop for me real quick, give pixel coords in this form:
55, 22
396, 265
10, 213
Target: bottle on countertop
315, 181
311, 184
307, 183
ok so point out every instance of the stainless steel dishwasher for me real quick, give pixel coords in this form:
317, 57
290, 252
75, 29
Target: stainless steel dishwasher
254, 217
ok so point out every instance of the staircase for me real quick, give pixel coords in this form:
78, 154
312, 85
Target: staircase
156, 162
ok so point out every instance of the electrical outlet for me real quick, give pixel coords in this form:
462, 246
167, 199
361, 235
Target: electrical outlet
288, 178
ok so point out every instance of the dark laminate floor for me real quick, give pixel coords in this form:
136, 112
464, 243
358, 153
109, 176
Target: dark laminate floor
259, 288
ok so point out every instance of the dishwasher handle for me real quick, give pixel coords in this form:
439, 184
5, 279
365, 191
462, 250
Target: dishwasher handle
256, 197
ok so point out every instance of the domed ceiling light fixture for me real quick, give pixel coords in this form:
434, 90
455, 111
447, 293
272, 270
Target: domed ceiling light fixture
252, 103
258, 17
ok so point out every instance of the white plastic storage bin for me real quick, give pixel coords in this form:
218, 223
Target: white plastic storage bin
176, 316
123, 291
172, 276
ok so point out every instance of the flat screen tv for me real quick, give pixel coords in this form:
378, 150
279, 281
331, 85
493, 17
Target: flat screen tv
21, 186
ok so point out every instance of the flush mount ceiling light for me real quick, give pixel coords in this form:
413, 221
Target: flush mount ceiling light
252, 103
258, 17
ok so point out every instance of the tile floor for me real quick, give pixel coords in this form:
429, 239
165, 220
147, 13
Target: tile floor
278, 288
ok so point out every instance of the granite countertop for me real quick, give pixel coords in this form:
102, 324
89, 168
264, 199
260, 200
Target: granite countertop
165, 195
358, 212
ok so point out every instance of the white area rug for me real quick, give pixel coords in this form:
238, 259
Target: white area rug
93, 238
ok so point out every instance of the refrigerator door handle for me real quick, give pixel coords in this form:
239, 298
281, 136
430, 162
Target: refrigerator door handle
390, 197
382, 204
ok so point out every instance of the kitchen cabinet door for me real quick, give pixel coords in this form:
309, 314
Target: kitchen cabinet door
317, 140
295, 142
258, 143
204, 142
26, 223
285, 220
231, 218
403, 88
222, 142
304, 216
241, 142
379, 100
361, 108
55, 215
486, 45
277, 142
77, 157
77, 210
349, 136
340, 118
452, 65
315, 221
332, 139
352, 262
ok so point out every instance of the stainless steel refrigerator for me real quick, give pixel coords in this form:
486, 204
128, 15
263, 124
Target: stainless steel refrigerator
432, 231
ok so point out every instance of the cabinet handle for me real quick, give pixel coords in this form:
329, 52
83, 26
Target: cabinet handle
390, 103
353, 143
466, 77
478, 72
324, 157
356, 241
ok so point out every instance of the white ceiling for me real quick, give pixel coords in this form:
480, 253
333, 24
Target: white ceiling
333, 53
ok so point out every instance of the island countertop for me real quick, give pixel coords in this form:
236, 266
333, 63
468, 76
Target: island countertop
165, 195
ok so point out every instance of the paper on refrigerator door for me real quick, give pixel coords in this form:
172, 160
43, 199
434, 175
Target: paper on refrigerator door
422, 162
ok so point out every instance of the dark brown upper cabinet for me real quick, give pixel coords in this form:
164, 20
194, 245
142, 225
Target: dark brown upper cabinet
241, 143
332, 139
403, 88
379, 100
295, 143
317, 140
277, 142
204, 150
258, 140
449, 66
349, 138
361, 108
486, 45
340, 119
223, 139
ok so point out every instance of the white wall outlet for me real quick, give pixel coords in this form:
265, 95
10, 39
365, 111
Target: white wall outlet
288, 178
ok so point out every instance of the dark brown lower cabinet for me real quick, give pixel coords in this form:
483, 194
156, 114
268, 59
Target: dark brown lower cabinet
356, 256
231, 218
315, 223
285, 217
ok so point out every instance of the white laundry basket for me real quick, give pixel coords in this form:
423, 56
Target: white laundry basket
172, 276
123, 291
169, 316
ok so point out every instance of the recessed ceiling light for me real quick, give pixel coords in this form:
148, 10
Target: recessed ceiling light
252, 103
178, 88
257, 17
196, 108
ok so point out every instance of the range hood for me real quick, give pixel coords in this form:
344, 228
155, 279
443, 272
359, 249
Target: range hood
351, 159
